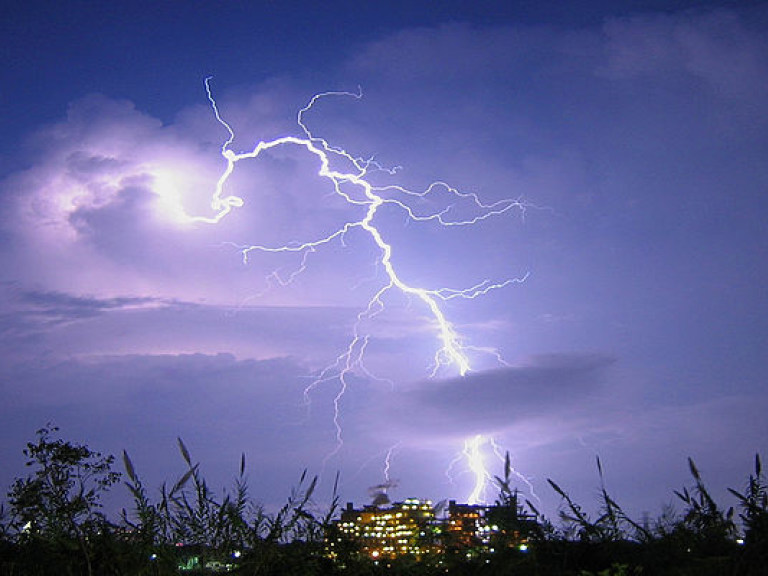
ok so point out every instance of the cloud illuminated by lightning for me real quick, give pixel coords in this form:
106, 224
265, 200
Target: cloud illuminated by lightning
353, 186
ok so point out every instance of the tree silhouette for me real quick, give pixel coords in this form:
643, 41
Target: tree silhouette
60, 502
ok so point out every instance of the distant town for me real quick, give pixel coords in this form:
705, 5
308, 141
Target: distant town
417, 528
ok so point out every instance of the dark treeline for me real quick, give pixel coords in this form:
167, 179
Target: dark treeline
53, 524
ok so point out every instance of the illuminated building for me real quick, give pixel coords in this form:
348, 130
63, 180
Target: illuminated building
411, 528
466, 526
476, 529
405, 528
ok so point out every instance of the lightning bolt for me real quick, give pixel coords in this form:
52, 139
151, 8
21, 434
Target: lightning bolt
388, 462
473, 453
353, 186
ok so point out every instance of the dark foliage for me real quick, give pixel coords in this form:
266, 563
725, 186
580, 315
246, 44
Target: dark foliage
54, 525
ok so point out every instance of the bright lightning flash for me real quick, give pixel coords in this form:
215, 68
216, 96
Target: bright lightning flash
474, 455
354, 188
476, 461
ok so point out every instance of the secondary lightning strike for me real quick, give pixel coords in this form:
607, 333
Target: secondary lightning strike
476, 462
474, 457
452, 351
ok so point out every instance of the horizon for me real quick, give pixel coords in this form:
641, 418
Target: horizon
117, 499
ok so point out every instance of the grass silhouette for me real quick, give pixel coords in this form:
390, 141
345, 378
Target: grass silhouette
53, 524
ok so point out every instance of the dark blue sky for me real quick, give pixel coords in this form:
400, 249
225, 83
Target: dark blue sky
151, 52
633, 133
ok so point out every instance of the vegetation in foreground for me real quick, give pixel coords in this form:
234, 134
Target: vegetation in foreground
54, 525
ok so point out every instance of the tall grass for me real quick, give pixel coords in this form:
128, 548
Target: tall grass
187, 520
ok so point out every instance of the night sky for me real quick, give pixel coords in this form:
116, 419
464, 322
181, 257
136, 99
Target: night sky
632, 136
